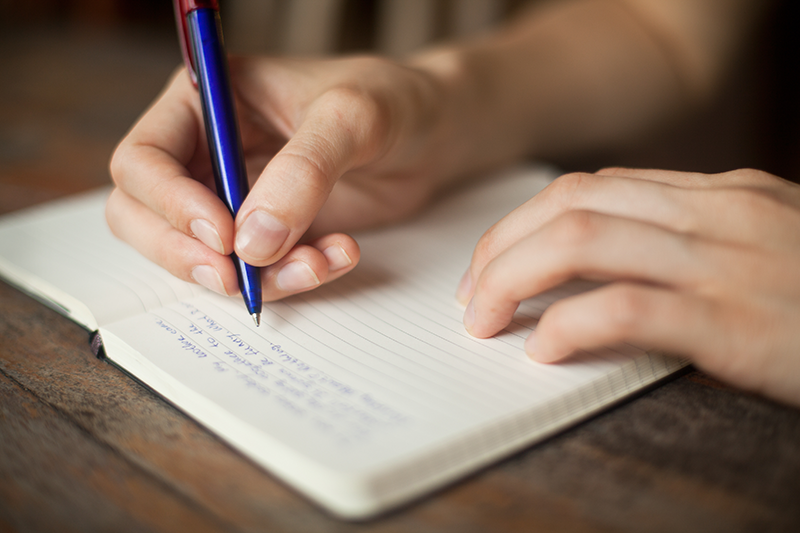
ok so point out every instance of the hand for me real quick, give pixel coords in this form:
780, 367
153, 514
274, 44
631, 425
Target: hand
330, 146
706, 266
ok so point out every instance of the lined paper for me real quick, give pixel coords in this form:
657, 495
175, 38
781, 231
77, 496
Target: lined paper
390, 332
68, 245
369, 382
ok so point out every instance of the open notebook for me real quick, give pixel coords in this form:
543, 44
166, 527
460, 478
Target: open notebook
363, 394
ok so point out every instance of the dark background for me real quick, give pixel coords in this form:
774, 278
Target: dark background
76, 74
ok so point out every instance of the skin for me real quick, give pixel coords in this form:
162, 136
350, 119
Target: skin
703, 266
336, 145
699, 265
306, 126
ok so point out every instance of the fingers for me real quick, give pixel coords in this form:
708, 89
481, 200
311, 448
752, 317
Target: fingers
156, 239
696, 180
305, 266
623, 312
343, 128
631, 198
749, 343
308, 266
677, 179
738, 214
695, 265
150, 165
579, 244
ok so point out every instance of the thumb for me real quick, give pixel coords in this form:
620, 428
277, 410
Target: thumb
343, 128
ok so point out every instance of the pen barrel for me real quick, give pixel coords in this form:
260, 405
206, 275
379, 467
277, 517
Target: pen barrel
249, 283
222, 131
216, 95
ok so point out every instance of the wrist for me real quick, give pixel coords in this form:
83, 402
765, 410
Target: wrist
456, 150
482, 125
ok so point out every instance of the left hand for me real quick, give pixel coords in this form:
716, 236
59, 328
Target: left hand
705, 266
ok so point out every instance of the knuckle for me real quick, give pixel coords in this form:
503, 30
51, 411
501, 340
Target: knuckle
173, 210
575, 228
569, 184
316, 173
357, 105
486, 283
493, 284
173, 254
345, 97
566, 191
165, 201
625, 308
487, 246
367, 115
557, 324
612, 171
748, 200
754, 176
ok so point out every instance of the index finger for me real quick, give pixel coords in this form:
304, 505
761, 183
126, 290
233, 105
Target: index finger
648, 201
151, 165
730, 207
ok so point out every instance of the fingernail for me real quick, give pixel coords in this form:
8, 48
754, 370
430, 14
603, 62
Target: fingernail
530, 345
469, 317
464, 288
296, 276
337, 257
206, 233
208, 277
261, 235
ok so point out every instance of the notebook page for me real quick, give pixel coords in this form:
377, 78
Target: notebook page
64, 252
373, 376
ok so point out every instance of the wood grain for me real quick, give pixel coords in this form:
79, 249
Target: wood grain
83, 447
692, 455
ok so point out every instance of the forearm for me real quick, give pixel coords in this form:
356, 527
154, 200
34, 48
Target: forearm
582, 75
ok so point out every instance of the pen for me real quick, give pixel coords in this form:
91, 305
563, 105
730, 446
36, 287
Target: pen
204, 55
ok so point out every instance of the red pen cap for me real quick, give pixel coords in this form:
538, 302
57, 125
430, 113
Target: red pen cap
183, 8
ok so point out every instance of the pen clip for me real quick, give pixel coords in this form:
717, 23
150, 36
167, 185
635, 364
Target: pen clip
182, 10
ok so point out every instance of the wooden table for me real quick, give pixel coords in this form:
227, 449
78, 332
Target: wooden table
85, 448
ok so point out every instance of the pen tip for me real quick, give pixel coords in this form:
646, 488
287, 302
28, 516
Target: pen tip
257, 318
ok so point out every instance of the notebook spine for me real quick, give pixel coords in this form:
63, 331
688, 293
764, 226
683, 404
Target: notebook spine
96, 343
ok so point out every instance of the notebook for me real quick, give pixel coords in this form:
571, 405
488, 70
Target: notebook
363, 394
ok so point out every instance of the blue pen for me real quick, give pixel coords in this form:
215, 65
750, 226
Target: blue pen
205, 58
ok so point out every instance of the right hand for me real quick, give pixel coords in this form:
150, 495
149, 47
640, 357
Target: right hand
330, 146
